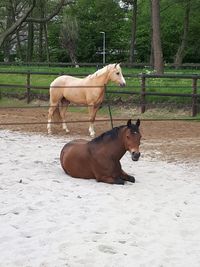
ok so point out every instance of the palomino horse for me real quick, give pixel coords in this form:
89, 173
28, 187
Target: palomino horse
100, 158
87, 91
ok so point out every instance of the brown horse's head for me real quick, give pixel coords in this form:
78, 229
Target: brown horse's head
132, 139
115, 74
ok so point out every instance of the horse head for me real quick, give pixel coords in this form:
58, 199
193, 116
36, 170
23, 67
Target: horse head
132, 139
115, 74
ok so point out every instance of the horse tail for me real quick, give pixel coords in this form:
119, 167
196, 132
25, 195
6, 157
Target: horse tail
62, 103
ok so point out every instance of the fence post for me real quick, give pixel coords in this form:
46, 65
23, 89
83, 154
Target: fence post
143, 89
194, 98
28, 86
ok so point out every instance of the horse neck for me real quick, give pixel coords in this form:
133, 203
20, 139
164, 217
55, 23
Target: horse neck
121, 146
104, 78
116, 145
101, 78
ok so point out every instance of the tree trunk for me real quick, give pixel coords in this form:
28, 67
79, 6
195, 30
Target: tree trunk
72, 54
41, 6
133, 31
151, 59
182, 48
157, 47
69, 36
40, 46
46, 42
29, 56
19, 48
9, 21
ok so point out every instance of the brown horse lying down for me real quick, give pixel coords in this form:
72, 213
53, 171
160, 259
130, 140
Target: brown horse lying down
100, 158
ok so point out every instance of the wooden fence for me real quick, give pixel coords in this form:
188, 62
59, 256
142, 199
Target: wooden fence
142, 93
99, 64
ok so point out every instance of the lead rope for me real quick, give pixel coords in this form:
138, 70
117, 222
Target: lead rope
111, 119
109, 110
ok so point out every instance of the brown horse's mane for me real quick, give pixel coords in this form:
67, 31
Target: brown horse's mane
113, 133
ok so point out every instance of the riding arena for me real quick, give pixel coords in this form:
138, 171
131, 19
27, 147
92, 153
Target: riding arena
147, 215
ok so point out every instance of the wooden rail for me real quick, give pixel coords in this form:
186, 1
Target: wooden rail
143, 92
100, 64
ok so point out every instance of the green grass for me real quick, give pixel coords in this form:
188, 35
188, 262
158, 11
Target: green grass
12, 102
118, 111
172, 85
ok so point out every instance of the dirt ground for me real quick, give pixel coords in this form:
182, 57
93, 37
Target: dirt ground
174, 141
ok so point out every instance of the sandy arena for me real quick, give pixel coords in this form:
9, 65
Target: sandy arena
169, 140
48, 219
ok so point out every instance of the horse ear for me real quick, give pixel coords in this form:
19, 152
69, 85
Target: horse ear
117, 64
138, 123
129, 123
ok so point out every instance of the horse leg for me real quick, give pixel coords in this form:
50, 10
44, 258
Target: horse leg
92, 112
110, 180
63, 105
52, 108
127, 177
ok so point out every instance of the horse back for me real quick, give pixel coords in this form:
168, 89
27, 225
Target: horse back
65, 79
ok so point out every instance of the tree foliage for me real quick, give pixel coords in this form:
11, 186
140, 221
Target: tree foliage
69, 30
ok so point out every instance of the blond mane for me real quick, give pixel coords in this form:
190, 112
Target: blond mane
102, 71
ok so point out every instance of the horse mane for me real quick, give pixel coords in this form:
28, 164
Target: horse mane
98, 73
113, 133
101, 71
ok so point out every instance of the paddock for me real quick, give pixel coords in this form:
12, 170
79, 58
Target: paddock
50, 219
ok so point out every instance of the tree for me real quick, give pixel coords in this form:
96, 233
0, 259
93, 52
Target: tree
31, 29
133, 31
25, 9
182, 48
14, 26
69, 36
133, 4
9, 21
157, 47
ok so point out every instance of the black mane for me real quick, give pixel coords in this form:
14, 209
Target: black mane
113, 133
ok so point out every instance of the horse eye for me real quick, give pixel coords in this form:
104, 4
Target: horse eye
117, 73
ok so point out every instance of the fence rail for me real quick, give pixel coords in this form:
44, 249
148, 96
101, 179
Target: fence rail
143, 92
87, 121
99, 64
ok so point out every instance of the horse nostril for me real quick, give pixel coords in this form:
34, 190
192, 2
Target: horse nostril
135, 156
122, 84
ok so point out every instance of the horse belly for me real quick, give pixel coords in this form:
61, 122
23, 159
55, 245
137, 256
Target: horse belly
68, 87
75, 95
75, 161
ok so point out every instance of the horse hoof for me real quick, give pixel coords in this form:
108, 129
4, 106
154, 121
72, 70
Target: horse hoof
49, 132
92, 135
131, 179
119, 181
67, 131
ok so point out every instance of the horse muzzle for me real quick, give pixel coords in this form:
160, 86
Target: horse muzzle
135, 156
122, 84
